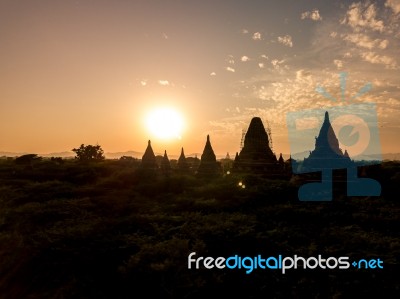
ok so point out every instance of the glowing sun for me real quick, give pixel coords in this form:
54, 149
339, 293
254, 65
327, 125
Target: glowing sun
165, 123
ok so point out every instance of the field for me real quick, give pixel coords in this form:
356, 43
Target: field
108, 230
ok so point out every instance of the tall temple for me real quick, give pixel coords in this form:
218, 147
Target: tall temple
183, 166
327, 153
165, 164
149, 159
256, 155
208, 164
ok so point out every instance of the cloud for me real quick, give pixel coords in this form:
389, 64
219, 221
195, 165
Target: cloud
383, 44
230, 59
245, 58
312, 15
143, 82
165, 36
230, 69
261, 65
363, 15
364, 41
256, 36
213, 74
245, 31
394, 5
374, 58
264, 56
338, 63
286, 40
333, 34
163, 82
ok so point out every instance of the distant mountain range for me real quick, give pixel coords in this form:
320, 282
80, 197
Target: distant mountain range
135, 154
115, 155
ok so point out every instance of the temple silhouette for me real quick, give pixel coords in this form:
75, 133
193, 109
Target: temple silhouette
327, 153
256, 155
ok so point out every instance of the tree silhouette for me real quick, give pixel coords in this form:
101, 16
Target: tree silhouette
89, 153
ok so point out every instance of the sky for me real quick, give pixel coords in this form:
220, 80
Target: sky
89, 71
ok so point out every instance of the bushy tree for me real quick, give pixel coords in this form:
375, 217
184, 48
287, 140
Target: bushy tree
27, 159
89, 153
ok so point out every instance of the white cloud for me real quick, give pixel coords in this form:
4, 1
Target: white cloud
257, 36
363, 15
276, 63
333, 34
363, 40
312, 15
245, 58
143, 82
286, 40
213, 74
230, 69
338, 63
383, 44
394, 5
374, 58
264, 56
163, 82
230, 59
261, 65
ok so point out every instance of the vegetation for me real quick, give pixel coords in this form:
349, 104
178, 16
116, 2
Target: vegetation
107, 230
89, 153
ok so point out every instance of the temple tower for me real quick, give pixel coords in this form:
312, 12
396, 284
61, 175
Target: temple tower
208, 163
149, 159
327, 153
256, 155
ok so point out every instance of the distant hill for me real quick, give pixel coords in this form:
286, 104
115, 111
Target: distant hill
138, 155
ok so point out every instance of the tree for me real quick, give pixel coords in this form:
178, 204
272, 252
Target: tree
89, 153
27, 159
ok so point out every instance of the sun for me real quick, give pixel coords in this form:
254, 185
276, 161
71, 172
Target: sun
165, 123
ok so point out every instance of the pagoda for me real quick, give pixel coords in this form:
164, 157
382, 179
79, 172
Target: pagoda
256, 155
165, 164
149, 159
183, 166
208, 163
327, 153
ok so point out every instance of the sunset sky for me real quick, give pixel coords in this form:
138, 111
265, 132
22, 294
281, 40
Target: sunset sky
90, 71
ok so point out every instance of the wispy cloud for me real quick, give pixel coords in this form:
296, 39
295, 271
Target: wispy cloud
394, 5
230, 69
375, 58
286, 40
363, 15
163, 82
312, 15
256, 36
213, 74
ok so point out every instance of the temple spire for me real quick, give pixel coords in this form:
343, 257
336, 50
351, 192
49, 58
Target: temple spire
149, 159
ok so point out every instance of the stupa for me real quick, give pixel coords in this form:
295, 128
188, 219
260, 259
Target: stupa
183, 166
208, 163
327, 153
256, 155
149, 159
165, 164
